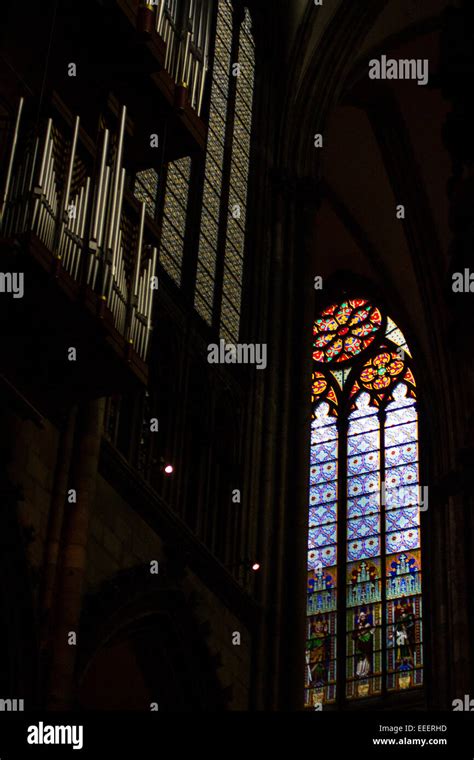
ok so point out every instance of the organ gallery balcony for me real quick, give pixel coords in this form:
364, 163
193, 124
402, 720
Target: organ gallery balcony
178, 33
78, 273
156, 59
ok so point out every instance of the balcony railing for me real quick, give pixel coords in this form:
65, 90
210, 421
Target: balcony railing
185, 26
79, 213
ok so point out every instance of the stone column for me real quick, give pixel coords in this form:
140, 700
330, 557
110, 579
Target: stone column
454, 633
298, 410
284, 463
55, 524
72, 568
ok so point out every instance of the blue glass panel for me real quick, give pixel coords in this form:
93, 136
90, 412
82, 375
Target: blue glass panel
396, 455
322, 535
322, 455
362, 484
362, 527
323, 434
406, 475
395, 416
400, 434
326, 557
325, 451
364, 442
324, 514
364, 548
363, 505
406, 539
400, 519
323, 493
403, 496
363, 463
363, 424
322, 472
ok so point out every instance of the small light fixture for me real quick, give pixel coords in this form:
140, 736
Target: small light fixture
248, 564
166, 466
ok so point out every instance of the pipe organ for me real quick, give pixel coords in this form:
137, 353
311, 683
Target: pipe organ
185, 26
82, 219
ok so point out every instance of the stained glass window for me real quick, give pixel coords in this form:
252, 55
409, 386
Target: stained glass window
235, 241
222, 236
146, 189
174, 217
222, 207
175, 209
364, 634
210, 220
344, 330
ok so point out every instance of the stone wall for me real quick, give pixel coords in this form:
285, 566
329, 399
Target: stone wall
31, 468
120, 539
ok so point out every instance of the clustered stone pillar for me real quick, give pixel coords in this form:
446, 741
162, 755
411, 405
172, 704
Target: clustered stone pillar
457, 81
285, 478
307, 201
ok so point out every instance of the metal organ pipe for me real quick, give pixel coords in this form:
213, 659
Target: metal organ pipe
118, 215
72, 159
116, 179
100, 190
30, 175
83, 222
103, 206
12, 156
160, 16
43, 160
150, 304
139, 247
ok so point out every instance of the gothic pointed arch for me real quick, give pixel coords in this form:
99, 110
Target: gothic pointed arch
146, 622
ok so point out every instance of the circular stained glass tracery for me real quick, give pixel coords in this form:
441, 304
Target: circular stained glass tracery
380, 372
344, 330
